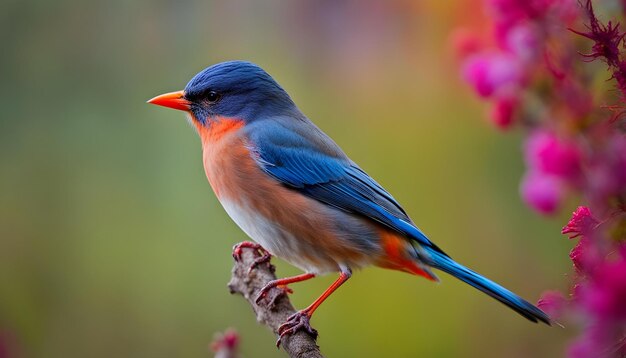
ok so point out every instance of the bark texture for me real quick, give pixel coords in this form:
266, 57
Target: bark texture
275, 308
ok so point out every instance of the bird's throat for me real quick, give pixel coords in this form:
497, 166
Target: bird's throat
218, 129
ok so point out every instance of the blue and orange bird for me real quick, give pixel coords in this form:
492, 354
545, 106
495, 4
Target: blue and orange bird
292, 190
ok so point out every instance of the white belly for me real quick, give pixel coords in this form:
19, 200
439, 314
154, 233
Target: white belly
271, 236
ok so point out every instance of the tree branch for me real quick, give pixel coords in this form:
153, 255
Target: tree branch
275, 308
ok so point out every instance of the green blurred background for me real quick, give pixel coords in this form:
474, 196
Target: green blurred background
113, 245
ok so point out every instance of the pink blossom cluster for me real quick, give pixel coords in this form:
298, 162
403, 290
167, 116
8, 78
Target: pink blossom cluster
530, 70
525, 69
553, 163
502, 67
225, 344
598, 295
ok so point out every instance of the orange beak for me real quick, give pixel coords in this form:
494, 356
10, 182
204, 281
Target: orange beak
175, 100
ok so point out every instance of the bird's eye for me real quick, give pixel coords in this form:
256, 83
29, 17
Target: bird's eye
213, 96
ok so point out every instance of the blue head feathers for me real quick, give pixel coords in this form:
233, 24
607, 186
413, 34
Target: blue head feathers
236, 89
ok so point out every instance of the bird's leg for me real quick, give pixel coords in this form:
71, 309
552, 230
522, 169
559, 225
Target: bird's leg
264, 257
300, 320
282, 284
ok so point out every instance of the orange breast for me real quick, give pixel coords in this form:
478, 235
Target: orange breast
223, 151
296, 228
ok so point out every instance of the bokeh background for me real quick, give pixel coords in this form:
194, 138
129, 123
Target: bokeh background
113, 245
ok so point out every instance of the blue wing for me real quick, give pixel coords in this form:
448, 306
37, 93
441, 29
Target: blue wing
302, 157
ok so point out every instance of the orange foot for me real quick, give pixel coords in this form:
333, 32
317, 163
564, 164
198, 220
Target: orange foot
296, 322
266, 289
264, 255
282, 284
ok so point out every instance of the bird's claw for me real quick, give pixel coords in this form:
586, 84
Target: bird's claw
264, 258
266, 289
296, 322
262, 294
238, 248
285, 288
263, 255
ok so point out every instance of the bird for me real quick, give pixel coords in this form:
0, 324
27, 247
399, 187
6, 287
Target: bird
299, 197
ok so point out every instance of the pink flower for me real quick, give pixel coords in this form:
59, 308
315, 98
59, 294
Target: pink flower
576, 255
545, 152
608, 42
542, 192
519, 10
604, 295
523, 42
502, 112
507, 13
226, 343
583, 347
597, 341
581, 223
584, 256
490, 73
572, 143
510, 13
552, 303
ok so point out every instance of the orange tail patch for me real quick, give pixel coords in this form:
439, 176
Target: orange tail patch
397, 257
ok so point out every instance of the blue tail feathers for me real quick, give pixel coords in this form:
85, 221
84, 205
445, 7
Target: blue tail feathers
444, 263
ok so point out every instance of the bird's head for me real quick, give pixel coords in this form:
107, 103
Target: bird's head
233, 89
